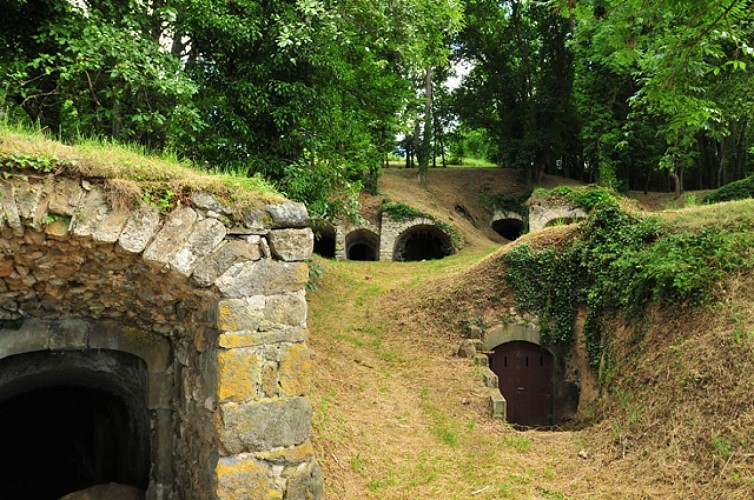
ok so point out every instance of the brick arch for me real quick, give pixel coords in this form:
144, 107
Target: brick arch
214, 306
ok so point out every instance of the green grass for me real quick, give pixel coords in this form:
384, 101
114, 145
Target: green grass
129, 170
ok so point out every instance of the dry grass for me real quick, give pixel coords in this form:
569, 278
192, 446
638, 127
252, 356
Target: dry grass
130, 173
396, 415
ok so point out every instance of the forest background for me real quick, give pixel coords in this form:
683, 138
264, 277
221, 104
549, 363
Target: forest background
318, 95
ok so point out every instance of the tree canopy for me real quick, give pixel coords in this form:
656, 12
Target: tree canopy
314, 94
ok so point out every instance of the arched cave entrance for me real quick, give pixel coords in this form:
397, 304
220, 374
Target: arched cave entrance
362, 244
510, 229
324, 242
524, 371
422, 242
70, 420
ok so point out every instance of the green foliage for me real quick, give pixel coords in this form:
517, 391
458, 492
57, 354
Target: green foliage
619, 263
587, 197
737, 190
29, 162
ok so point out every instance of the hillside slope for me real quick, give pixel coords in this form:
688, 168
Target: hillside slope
397, 415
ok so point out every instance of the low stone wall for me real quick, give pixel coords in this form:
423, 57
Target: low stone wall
214, 306
541, 213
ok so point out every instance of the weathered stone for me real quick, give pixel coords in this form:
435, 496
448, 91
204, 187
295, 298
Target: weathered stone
263, 277
94, 209
295, 370
139, 230
160, 391
239, 373
172, 235
293, 455
111, 226
287, 309
254, 339
69, 334
209, 202
205, 237
288, 215
245, 314
9, 209
264, 425
33, 336
474, 332
242, 477
481, 360
29, 201
466, 349
64, 196
254, 220
497, 405
57, 229
292, 244
225, 256
153, 349
490, 379
305, 482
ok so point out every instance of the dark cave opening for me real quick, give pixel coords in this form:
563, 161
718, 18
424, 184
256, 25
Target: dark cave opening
510, 229
363, 245
422, 242
69, 421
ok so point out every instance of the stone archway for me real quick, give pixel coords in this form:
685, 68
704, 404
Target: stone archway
214, 311
362, 244
509, 225
325, 241
422, 242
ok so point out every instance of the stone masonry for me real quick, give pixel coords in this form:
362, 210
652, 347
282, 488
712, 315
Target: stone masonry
214, 304
542, 213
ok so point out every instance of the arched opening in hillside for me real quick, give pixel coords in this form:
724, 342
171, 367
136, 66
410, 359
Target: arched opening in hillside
510, 229
525, 374
422, 242
324, 242
70, 420
362, 244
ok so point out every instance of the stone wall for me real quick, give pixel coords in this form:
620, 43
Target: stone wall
220, 300
542, 213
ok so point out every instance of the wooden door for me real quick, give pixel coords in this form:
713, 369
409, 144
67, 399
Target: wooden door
525, 373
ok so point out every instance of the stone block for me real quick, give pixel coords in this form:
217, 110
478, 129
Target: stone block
255, 339
91, 213
497, 405
69, 334
57, 229
209, 202
241, 477
481, 360
474, 332
295, 370
32, 336
256, 220
233, 315
239, 373
205, 237
149, 346
9, 209
263, 277
292, 244
288, 215
109, 229
288, 309
140, 228
64, 196
160, 391
171, 236
467, 349
304, 482
264, 425
293, 455
490, 379
223, 258
29, 201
